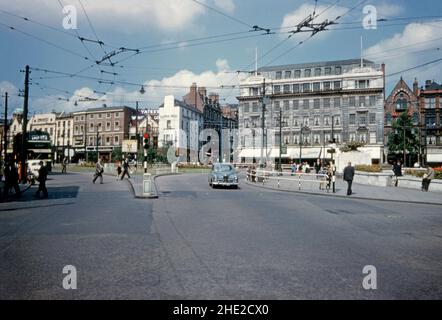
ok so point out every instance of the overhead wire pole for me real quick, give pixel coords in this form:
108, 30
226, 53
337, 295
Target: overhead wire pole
5, 127
24, 150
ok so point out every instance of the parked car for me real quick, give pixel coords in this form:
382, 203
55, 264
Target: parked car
223, 174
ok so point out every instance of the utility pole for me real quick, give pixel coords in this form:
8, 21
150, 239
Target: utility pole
136, 129
280, 138
221, 137
263, 120
24, 150
5, 126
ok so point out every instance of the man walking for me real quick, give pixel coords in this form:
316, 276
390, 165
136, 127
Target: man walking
125, 169
427, 178
397, 170
64, 164
42, 177
11, 180
349, 173
98, 172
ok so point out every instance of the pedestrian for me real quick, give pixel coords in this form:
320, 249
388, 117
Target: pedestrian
99, 169
11, 180
349, 173
118, 169
125, 169
428, 176
397, 170
42, 177
317, 166
64, 164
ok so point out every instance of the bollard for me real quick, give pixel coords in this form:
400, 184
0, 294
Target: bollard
299, 181
147, 184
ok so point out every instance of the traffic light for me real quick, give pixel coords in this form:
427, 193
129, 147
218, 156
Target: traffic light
146, 140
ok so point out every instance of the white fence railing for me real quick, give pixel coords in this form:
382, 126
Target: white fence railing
325, 181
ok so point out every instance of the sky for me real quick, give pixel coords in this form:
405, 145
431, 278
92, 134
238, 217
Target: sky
202, 41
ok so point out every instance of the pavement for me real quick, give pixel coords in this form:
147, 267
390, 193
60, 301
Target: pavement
360, 191
195, 242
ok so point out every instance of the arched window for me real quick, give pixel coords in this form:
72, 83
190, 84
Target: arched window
401, 102
415, 118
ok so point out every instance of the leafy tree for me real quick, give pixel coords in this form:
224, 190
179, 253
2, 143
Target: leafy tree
117, 154
403, 126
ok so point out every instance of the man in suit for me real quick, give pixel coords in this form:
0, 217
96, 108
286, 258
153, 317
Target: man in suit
42, 177
99, 169
349, 173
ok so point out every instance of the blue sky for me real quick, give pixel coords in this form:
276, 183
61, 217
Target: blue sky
171, 24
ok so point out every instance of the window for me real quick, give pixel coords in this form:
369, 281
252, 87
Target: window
91, 141
81, 129
316, 138
362, 84
108, 126
430, 103
362, 119
316, 120
337, 138
117, 114
107, 140
277, 89
326, 120
278, 75
99, 117
287, 74
416, 118
326, 85
76, 118
352, 101
116, 139
108, 115
317, 72
316, 103
276, 109
254, 91
372, 118
306, 87
306, 104
246, 107
337, 102
91, 116
326, 102
352, 137
430, 120
307, 73
305, 121
327, 71
297, 74
296, 88
362, 101
316, 86
286, 105
372, 100
82, 118
295, 139
336, 85
287, 88
91, 127
255, 107
352, 119
337, 120
388, 118
76, 130
295, 122
338, 70
295, 104
431, 139
99, 126
401, 104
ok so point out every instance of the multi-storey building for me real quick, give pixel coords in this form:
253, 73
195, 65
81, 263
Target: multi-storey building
315, 104
179, 126
109, 124
401, 99
431, 120
44, 122
64, 136
147, 120
14, 128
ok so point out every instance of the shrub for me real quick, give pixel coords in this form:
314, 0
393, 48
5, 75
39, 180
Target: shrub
368, 168
351, 146
415, 173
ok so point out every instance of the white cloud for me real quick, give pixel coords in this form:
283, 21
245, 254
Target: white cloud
226, 5
295, 17
177, 85
417, 42
386, 9
112, 14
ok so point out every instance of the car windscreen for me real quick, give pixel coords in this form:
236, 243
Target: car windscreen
222, 168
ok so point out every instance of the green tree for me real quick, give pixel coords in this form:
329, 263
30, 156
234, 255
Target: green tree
403, 133
117, 154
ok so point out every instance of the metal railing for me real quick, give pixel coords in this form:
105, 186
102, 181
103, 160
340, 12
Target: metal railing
298, 178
